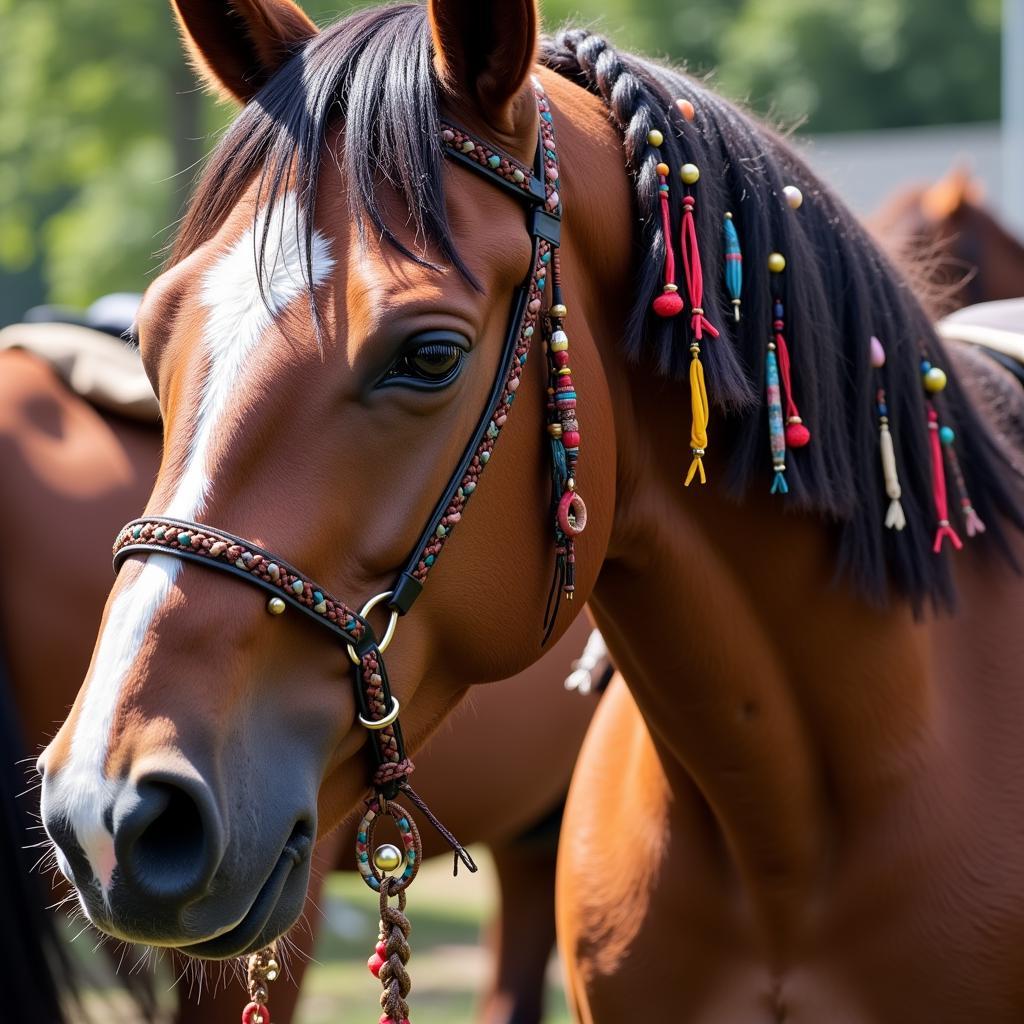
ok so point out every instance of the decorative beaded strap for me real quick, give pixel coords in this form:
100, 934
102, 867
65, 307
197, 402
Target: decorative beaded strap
217, 549
540, 190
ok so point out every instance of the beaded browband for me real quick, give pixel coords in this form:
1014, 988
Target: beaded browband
538, 189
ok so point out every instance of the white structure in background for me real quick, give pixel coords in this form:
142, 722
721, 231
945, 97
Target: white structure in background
868, 167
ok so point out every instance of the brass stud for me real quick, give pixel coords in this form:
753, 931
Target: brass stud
387, 857
276, 606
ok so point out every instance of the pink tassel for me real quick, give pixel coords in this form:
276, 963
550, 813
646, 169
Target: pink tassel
668, 303
943, 530
693, 273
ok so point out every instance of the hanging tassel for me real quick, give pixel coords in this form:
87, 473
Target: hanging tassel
776, 434
894, 516
692, 271
699, 416
733, 265
669, 303
972, 521
797, 435
943, 529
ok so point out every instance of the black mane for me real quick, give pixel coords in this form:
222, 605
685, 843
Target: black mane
372, 73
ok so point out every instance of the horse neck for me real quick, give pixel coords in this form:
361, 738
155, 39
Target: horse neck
771, 693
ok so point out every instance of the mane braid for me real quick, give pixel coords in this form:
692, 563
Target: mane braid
372, 75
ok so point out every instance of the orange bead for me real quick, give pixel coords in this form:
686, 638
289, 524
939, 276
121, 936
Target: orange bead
662, 169
686, 109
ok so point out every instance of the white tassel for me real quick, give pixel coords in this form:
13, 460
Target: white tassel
894, 517
581, 679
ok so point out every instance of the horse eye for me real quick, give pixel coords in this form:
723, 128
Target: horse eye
431, 359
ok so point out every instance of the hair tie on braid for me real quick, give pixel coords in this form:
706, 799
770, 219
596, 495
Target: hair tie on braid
733, 265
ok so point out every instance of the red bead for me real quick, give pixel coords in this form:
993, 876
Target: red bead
668, 304
571, 439
797, 435
381, 949
375, 963
561, 358
252, 1010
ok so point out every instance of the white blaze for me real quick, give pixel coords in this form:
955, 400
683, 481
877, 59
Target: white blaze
238, 317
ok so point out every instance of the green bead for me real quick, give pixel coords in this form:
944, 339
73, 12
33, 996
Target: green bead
136, 532
184, 540
494, 160
440, 531
298, 587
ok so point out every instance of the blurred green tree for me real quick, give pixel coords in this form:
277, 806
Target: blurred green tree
102, 124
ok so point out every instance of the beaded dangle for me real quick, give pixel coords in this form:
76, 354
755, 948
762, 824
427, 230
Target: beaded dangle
797, 434
261, 969
670, 304
934, 380
972, 521
389, 871
733, 264
895, 519
564, 435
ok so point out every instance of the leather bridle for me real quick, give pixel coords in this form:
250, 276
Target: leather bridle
537, 189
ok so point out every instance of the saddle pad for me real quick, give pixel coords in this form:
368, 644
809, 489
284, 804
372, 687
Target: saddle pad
996, 326
102, 369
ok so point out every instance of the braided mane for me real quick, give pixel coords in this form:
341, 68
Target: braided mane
373, 72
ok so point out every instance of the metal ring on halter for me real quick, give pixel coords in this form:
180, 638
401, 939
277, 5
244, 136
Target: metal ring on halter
382, 723
389, 633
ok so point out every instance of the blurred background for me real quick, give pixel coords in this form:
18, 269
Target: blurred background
102, 131
102, 128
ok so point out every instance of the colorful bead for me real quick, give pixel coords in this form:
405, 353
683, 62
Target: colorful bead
793, 196
934, 380
572, 514
654, 137
690, 173
877, 353
663, 170
947, 435
685, 107
776, 263
298, 587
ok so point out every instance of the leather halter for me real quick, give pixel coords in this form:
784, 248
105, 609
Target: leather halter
537, 190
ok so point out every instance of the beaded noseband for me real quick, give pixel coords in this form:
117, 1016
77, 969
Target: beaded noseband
538, 190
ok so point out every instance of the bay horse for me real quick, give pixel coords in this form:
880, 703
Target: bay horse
806, 799
968, 255
63, 458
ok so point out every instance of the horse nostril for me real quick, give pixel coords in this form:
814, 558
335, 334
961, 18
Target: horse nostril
168, 837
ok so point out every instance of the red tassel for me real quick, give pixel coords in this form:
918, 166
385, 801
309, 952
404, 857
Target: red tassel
668, 303
797, 434
693, 273
943, 530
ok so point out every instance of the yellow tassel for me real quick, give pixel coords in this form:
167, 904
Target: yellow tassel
699, 414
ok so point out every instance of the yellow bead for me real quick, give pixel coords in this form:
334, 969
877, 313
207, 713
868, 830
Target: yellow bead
558, 311
662, 169
794, 197
690, 173
387, 857
654, 137
776, 263
935, 380
276, 606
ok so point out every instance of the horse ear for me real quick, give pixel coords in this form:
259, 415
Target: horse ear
940, 201
483, 52
236, 45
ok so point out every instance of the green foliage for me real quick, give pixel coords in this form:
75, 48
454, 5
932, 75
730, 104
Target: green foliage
101, 122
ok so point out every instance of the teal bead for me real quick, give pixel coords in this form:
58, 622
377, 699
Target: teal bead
470, 487
184, 539
298, 587
946, 435
317, 597
159, 532
361, 837
137, 532
363, 857
494, 161
429, 560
